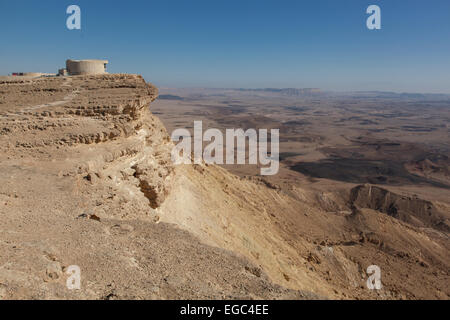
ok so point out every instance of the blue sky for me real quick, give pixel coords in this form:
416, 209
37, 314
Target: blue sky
245, 43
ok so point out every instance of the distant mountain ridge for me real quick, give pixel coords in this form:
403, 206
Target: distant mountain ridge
287, 91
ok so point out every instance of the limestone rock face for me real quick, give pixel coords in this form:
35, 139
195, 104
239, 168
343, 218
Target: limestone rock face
99, 129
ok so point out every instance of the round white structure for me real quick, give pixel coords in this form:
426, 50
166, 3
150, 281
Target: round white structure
81, 67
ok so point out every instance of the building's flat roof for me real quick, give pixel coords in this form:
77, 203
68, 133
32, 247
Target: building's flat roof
89, 60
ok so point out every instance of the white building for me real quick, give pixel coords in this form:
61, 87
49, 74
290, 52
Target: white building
82, 67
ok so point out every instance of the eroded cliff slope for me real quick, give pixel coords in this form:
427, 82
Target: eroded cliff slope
87, 180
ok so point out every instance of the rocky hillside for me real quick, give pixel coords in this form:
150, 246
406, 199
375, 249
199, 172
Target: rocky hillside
86, 179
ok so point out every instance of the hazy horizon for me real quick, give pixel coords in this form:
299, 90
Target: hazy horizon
302, 88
